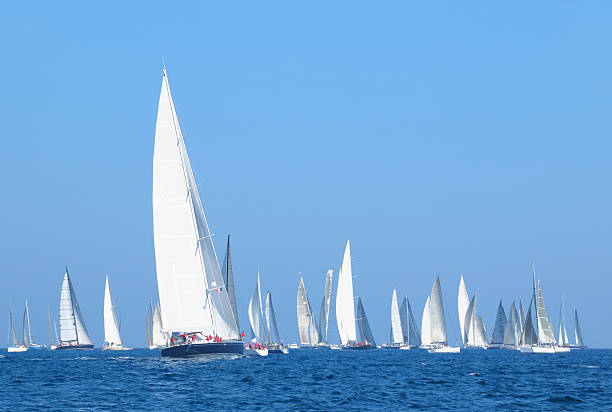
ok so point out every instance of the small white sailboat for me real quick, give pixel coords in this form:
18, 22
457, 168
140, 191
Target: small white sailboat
156, 337
345, 310
259, 331
410, 330
28, 340
512, 334
426, 325
499, 328
15, 345
475, 334
194, 301
293, 346
307, 324
438, 342
73, 333
562, 337
578, 342
396, 335
112, 336
275, 344
325, 306
546, 342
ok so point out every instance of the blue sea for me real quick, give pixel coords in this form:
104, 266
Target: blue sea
307, 379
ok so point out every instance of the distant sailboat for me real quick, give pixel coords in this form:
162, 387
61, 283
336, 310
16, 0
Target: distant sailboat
307, 324
52, 346
579, 342
195, 305
499, 329
28, 340
439, 343
562, 337
426, 325
325, 305
258, 327
156, 337
397, 334
228, 278
73, 333
14, 345
275, 344
365, 333
463, 303
410, 330
512, 334
112, 336
475, 334
345, 309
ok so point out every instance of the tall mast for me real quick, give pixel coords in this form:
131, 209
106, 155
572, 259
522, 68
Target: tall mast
29, 327
49, 325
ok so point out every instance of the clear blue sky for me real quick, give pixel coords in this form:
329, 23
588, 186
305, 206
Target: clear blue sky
465, 137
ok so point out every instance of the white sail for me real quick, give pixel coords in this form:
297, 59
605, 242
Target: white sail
345, 306
426, 324
410, 331
325, 305
111, 327
529, 336
511, 338
521, 316
463, 301
255, 314
12, 328
192, 293
545, 333
469, 322
500, 325
72, 326
149, 320
307, 323
482, 338
228, 279
28, 329
271, 325
365, 332
158, 336
438, 323
396, 323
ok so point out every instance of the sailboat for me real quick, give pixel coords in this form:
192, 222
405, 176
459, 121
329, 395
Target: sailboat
396, 335
228, 278
475, 334
433, 334
499, 328
275, 344
28, 340
51, 342
512, 334
324, 314
156, 337
578, 342
195, 305
546, 342
345, 310
112, 337
73, 333
307, 324
410, 332
14, 345
259, 331
562, 336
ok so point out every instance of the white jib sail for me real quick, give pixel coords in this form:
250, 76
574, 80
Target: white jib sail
426, 324
255, 312
463, 301
396, 322
469, 322
159, 337
345, 304
192, 292
111, 327
72, 326
545, 333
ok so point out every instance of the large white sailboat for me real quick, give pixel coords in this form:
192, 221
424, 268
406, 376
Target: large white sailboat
345, 310
73, 333
195, 306
14, 344
112, 336
307, 324
437, 342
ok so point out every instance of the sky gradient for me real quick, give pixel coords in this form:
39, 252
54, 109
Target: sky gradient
439, 139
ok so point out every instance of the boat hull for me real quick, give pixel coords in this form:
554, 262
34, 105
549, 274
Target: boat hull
204, 349
255, 352
75, 347
14, 349
538, 349
358, 347
445, 349
116, 348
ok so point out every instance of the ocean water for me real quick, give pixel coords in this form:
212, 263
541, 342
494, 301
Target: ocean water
307, 379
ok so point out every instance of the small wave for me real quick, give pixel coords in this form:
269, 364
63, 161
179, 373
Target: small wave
564, 399
587, 366
473, 374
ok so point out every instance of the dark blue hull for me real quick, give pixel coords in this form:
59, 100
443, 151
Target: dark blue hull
74, 347
359, 347
204, 349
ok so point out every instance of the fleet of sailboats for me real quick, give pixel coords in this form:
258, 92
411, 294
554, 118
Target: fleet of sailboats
197, 311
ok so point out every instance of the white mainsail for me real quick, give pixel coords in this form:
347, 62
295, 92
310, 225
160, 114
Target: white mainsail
192, 293
396, 322
482, 338
545, 333
228, 278
511, 335
72, 326
469, 322
256, 314
577, 331
325, 305
410, 331
463, 302
438, 323
271, 325
345, 305
111, 327
426, 324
